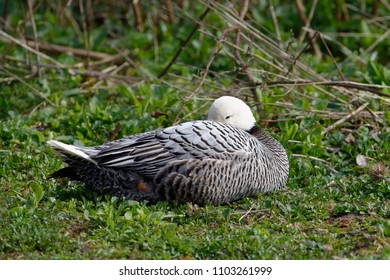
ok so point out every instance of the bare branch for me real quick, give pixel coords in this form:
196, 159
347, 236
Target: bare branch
354, 113
184, 44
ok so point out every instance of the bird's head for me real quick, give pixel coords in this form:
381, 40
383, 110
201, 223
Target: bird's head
233, 111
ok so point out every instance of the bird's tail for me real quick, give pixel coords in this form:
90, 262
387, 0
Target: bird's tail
70, 150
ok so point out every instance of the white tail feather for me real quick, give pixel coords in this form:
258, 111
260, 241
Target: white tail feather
69, 149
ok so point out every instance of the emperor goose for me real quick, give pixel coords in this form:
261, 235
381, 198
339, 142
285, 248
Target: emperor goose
219, 160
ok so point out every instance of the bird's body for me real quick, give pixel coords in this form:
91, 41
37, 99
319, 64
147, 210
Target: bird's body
213, 161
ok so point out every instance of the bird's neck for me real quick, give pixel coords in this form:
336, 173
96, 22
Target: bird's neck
267, 140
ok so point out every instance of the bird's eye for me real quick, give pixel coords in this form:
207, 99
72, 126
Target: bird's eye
227, 117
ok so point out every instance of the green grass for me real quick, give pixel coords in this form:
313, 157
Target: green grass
320, 214
332, 208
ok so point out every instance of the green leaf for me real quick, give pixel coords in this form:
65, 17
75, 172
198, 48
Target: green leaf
226, 213
37, 192
128, 216
291, 131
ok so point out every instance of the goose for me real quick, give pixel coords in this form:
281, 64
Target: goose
219, 160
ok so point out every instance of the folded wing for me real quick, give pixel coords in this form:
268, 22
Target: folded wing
147, 153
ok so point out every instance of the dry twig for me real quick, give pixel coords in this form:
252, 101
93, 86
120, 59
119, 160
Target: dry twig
250, 211
306, 21
184, 44
205, 73
327, 164
34, 28
354, 113
9, 38
332, 57
34, 90
138, 21
345, 84
244, 66
44, 46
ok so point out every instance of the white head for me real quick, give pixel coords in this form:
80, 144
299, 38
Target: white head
231, 110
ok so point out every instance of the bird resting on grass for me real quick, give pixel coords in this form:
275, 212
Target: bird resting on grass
216, 161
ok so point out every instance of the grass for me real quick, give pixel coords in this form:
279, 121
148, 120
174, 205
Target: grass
332, 208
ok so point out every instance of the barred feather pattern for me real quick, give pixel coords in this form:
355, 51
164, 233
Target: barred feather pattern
198, 162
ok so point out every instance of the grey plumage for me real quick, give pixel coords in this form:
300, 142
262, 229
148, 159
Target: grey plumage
199, 162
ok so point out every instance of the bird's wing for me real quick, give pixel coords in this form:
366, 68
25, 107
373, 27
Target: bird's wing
146, 153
